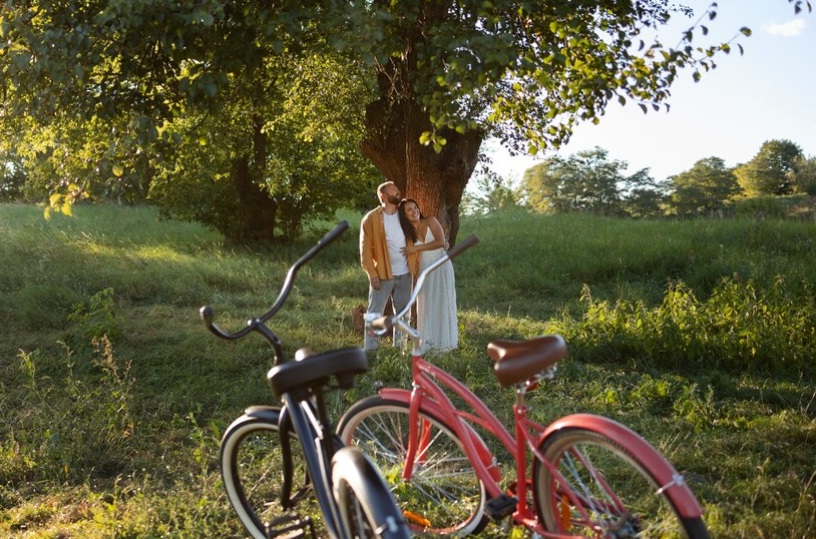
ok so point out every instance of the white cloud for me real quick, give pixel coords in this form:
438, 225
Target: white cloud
787, 29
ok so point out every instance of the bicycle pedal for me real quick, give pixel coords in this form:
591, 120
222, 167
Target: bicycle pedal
501, 507
290, 527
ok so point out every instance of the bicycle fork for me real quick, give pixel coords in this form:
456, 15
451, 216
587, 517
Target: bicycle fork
421, 433
418, 435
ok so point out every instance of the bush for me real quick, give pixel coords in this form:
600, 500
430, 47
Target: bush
738, 328
760, 207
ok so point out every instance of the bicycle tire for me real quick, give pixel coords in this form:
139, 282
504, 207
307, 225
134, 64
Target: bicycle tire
444, 496
366, 508
251, 470
614, 487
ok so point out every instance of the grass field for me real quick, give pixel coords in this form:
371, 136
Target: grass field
113, 396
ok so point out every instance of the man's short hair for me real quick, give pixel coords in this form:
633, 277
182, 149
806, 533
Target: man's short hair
381, 188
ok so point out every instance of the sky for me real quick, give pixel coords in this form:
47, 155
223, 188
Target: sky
768, 93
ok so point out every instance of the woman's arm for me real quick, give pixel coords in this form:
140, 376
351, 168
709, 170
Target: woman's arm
438, 242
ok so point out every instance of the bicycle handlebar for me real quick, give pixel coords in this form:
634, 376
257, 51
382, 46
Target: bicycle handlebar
207, 313
457, 249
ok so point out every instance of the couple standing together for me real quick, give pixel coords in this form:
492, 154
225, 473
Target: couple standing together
396, 243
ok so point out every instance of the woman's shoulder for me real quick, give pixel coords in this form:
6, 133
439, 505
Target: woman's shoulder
430, 222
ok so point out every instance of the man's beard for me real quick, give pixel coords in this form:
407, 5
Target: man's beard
394, 200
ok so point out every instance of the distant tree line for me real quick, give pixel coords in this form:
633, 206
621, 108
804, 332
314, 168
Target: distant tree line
590, 181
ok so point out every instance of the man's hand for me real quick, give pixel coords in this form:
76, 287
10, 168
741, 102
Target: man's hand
375, 282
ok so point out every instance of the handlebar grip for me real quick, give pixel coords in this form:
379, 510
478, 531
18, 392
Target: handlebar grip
329, 237
457, 249
207, 314
334, 233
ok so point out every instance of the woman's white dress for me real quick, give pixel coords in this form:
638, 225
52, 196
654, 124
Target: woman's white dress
436, 303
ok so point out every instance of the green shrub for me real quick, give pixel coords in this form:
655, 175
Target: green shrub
760, 207
738, 327
71, 426
96, 319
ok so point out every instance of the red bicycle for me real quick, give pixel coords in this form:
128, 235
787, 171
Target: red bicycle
581, 476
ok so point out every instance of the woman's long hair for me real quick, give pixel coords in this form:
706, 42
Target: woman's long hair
407, 227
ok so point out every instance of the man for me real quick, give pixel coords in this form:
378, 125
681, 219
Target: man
381, 254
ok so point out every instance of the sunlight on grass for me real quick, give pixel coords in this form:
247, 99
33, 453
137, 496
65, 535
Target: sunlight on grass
121, 440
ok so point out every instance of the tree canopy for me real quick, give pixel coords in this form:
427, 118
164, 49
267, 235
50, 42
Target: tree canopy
770, 170
804, 175
703, 189
432, 79
589, 181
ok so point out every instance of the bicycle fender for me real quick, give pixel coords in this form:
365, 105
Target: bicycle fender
432, 407
371, 489
663, 472
268, 413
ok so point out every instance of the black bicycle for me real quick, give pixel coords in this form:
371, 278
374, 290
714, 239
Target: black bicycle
259, 462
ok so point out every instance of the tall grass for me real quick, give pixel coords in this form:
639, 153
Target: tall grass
698, 334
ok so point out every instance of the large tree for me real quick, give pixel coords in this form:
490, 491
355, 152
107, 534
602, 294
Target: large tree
195, 102
584, 182
447, 74
589, 181
273, 157
803, 177
642, 196
769, 171
703, 189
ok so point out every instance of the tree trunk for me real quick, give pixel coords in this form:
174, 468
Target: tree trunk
394, 124
435, 180
257, 211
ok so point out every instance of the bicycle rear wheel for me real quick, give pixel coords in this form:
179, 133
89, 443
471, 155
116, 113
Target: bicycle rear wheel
252, 471
366, 507
615, 494
444, 495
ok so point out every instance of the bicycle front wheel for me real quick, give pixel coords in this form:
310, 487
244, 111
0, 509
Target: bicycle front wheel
603, 490
252, 471
444, 496
365, 506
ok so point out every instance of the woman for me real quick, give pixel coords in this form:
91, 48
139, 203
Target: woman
436, 303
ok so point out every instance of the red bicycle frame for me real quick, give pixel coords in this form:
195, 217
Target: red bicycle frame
427, 395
